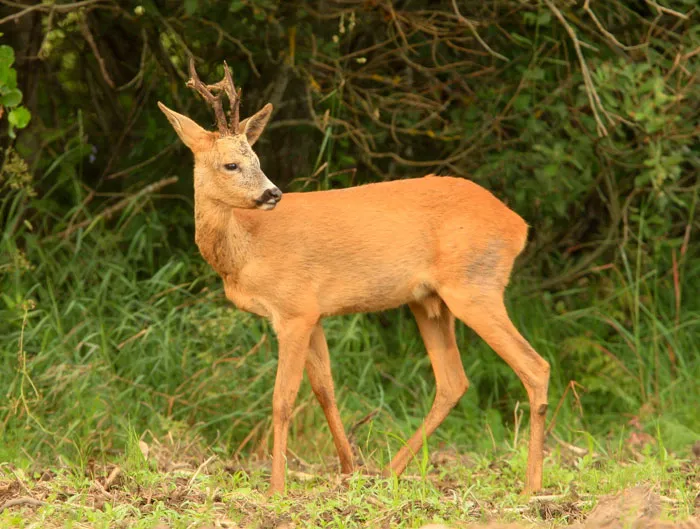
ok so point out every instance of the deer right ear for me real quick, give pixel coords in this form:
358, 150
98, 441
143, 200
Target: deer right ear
253, 126
191, 134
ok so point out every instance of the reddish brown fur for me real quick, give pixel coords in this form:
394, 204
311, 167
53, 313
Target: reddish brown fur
443, 245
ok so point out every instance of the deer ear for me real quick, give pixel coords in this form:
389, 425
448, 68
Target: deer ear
253, 126
191, 134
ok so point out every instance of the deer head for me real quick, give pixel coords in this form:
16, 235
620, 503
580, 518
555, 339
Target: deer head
225, 167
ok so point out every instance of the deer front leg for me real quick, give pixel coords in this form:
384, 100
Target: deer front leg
318, 369
293, 337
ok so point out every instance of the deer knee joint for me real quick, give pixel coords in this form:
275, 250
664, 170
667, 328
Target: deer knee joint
323, 396
450, 396
545, 368
542, 409
281, 411
465, 386
460, 386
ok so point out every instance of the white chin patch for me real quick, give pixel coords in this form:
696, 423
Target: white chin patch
267, 206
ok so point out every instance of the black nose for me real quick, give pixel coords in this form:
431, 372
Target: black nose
270, 195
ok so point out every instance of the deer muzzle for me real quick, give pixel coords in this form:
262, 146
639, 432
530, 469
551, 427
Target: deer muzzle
269, 199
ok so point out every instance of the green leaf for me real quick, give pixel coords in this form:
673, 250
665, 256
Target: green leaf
544, 18
522, 102
19, 117
11, 98
7, 55
551, 170
534, 74
236, 6
530, 18
8, 77
191, 6
520, 39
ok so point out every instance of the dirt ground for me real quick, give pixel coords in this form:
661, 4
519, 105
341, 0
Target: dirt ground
635, 508
170, 490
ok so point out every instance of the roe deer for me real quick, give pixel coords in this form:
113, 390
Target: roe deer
445, 246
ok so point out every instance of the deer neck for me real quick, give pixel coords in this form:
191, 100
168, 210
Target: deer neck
220, 236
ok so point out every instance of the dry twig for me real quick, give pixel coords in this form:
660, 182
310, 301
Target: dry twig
610, 36
471, 27
22, 500
61, 8
87, 34
662, 9
593, 97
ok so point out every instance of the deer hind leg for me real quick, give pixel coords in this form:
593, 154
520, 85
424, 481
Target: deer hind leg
318, 369
437, 327
482, 309
293, 337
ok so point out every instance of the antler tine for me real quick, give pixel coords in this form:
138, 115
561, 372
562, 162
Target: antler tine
233, 96
213, 100
226, 85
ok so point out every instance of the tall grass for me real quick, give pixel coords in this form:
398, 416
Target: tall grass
114, 330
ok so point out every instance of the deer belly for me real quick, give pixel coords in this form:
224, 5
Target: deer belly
370, 293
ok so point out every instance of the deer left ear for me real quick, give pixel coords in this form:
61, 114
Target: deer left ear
253, 126
191, 134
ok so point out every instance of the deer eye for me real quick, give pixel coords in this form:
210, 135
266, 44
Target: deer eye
230, 166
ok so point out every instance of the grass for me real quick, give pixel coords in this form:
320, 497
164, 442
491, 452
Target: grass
187, 490
116, 335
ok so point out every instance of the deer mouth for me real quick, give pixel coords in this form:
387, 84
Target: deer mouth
269, 199
266, 206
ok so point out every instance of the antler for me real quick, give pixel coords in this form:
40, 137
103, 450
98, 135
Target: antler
233, 96
225, 85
